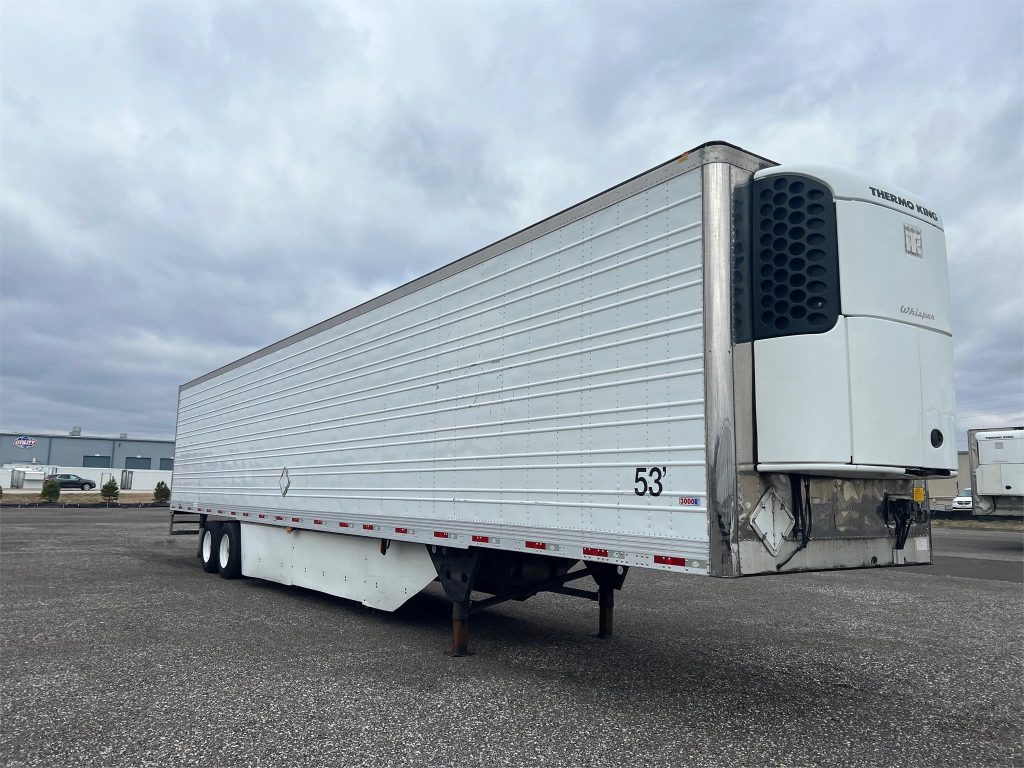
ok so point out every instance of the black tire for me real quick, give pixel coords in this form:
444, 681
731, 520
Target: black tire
229, 551
209, 536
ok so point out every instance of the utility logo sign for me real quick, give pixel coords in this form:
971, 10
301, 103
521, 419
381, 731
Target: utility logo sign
913, 241
25, 441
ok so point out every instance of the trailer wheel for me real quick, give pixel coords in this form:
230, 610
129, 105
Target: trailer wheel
208, 538
229, 551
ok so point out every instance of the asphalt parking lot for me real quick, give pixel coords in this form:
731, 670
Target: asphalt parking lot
116, 649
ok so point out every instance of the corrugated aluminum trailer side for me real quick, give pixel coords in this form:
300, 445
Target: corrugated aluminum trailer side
583, 390
512, 396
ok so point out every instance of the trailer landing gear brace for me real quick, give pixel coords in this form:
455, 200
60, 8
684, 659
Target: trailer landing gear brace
511, 576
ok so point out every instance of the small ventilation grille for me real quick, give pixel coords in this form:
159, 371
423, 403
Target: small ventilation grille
795, 280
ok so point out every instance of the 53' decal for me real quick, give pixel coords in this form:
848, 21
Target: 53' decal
648, 480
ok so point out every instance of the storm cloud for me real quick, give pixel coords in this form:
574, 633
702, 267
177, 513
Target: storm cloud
184, 183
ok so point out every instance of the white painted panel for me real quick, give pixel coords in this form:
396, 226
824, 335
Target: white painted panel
514, 399
354, 568
346, 566
802, 397
1000, 479
938, 409
266, 553
1005, 447
1012, 479
885, 391
901, 390
878, 278
989, 479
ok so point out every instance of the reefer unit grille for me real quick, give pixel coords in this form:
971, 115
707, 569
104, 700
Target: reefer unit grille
795, 265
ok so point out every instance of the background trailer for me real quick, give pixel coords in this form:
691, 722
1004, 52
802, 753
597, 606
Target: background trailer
997, 470
719, 367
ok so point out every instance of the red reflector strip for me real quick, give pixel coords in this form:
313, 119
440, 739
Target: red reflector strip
481, 539
536, 545
343, 525
440, 535
296, 520
401, 530
318, 522
367, 527
664, 560
591, 551
262, 516
279, 517
233, 512
245, 514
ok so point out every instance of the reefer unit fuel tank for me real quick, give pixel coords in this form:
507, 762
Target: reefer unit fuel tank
849, 318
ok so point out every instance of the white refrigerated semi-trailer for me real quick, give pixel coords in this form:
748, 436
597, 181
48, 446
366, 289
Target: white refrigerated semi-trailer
721, 367
997, 470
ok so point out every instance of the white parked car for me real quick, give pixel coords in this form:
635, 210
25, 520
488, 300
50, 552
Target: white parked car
963, 501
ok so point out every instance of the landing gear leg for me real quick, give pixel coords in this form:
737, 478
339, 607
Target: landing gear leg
609, 578
456, 570
460, 628
606, 609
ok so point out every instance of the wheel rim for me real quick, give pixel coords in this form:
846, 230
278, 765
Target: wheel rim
207, 546
225, 550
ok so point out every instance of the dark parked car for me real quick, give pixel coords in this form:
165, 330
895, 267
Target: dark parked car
72, 481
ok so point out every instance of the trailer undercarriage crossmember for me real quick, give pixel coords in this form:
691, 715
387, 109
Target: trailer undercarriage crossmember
517, 576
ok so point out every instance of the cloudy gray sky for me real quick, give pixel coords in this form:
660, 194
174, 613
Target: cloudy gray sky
186, 182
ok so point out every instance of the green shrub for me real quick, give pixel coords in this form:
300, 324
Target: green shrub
110, 491
51, 490
161, 493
